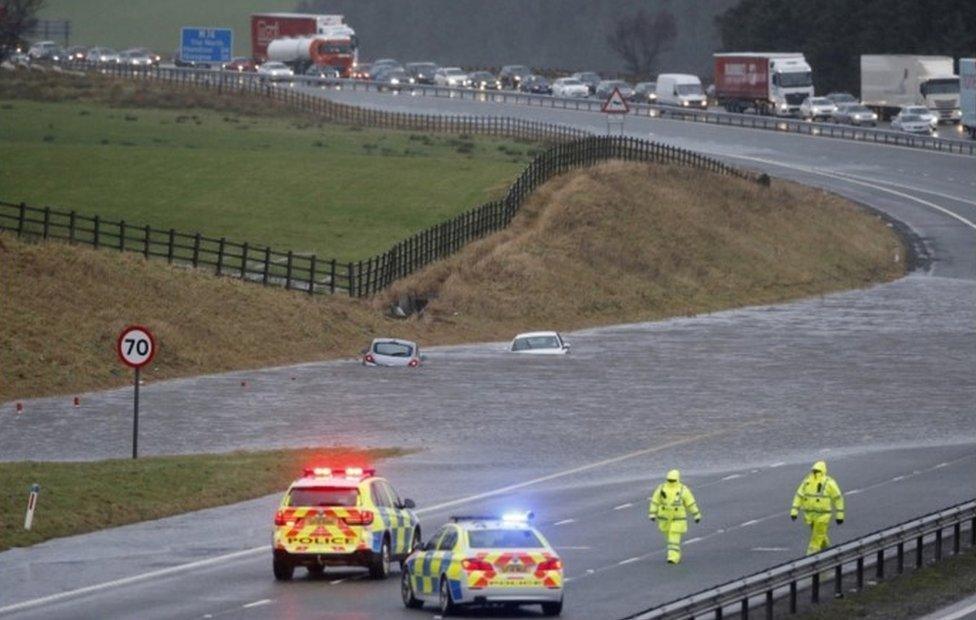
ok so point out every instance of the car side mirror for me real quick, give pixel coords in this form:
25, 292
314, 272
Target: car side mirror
408, 503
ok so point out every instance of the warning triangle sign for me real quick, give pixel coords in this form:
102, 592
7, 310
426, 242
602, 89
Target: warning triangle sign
615, 103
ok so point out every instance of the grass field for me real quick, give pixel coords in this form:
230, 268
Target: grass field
288, 182
87, 496
156, 25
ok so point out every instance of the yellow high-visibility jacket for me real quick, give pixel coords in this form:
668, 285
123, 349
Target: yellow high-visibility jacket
670, 504
818, 495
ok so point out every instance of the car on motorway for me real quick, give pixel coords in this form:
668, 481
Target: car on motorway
605, 88
535, 84
387, 62
817, 109
483, 80
450, 76
342, 517
422, 72
854, 114
512, 75
395, 79
645, 92
590, 78
920, 110
842, 98
912, 123
322, 71
137, 57
392, 352
243, 64
46, 50
275, 71
484, 560
570, 87
362, 71
540, 343
103, 55
76, 52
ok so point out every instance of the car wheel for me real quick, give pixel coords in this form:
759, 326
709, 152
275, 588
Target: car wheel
552, 609
444, 599
406, 592
283, 569
379, 564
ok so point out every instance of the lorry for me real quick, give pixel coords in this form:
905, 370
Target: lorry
302, 39
967, 94
769, 82
890, 82
681, 90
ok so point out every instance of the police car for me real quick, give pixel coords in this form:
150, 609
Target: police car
342, 517
484, 561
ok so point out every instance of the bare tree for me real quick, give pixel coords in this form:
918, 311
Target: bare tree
640, 39
16, 17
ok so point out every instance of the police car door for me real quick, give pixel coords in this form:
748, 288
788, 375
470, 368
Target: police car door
423, 581
401, 527
384, 510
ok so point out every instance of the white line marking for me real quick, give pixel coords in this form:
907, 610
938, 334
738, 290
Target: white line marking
580, 548
917, 189
775, 465
336, 582
622, 506
628, 561
693, 540
853, 492
264, 601
748, 523
898, 478
732, 477
770, 549
960, 613
941, 465
565, 521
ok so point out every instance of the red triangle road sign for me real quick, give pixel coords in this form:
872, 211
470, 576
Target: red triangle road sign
615, 103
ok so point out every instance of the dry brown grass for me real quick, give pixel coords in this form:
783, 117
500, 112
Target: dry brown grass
615, 243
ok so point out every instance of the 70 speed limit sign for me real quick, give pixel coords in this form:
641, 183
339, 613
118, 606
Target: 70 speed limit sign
136, 346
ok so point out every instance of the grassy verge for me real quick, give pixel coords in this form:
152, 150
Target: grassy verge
136, 153
908, 596
83, 497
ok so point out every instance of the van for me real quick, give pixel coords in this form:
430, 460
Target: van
680, 89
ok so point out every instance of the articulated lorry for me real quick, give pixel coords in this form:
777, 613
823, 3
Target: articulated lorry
768, 82
967, 94
301, 40
890, 82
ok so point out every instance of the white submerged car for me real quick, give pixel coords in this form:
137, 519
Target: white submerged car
540, 343
484, 561
392, 352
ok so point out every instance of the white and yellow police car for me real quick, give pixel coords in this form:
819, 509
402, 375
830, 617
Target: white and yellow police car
342, 517
484, 561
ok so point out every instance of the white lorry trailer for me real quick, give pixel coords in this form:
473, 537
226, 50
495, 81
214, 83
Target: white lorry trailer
890, 82
967, 94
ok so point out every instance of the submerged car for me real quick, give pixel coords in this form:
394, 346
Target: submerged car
392, 352
540, 343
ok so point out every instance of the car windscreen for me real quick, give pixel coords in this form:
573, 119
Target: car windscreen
453, 72
795, 79
911, 118
393, 349
503, 539
947, 86
688, 89
536, 342
820, 101
572, 82
323, 496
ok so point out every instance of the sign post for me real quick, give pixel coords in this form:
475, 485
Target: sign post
135, 347
35, 490
615, 104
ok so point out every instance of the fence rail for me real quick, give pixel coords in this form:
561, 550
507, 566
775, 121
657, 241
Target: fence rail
760, 589
249, 81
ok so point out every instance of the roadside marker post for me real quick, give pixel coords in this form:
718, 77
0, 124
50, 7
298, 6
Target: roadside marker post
135, 347
35, 490
615, 104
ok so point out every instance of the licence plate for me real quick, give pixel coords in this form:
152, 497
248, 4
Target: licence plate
321, 520
515, 568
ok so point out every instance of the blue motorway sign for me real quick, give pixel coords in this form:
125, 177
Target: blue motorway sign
206, 44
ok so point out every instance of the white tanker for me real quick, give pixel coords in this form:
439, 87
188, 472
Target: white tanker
334, 49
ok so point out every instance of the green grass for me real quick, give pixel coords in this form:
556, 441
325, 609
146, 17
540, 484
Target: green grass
87, 496
286, 181
156, 25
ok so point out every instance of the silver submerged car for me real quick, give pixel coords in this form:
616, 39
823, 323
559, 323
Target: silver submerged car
392, 352
540, 343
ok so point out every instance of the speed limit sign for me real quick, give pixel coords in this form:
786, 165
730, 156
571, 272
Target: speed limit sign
136, 346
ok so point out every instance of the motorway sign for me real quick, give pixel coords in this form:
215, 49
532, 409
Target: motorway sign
135, 346
207, 45
615, 104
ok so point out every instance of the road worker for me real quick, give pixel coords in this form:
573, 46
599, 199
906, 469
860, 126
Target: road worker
818, 495
670, 505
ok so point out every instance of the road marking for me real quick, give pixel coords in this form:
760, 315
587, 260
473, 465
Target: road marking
580, 548
959, 613
775, 465
693, 540
941, 465
622, 506
565, 521
732, 477
898, 478
748, 523
853, 492
917, 189
264, 601
628, 561
770, 548
336, 582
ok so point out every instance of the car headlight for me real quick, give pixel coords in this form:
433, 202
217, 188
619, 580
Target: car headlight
684, 103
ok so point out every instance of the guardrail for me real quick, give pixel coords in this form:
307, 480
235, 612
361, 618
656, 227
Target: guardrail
760, 589
304, 272
751, 121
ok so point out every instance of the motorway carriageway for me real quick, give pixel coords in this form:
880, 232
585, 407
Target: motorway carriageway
879, 382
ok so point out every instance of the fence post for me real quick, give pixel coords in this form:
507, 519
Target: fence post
288, 271
172, 244
349, 281
267, 265
121, 235
244, 261
71, 227
95, 231
332, 276
22, 219
47, 220
220, 256
146, 249
359, 279
196, 249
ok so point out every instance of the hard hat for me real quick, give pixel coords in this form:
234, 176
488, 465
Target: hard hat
674, 476
820, 467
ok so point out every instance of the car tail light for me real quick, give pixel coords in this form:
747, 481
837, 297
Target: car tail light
473, 564
360, 517
369, 359
550, 564
414, 363
284, 517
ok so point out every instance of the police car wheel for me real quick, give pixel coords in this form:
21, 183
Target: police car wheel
552, 609
406, 592
444, 600
283, 569
379, 564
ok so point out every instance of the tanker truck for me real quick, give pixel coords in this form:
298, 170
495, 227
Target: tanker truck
300, 40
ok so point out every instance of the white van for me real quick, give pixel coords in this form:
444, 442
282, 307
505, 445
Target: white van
681, 89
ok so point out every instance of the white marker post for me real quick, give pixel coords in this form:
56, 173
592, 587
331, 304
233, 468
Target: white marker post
35, 490
136, 347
